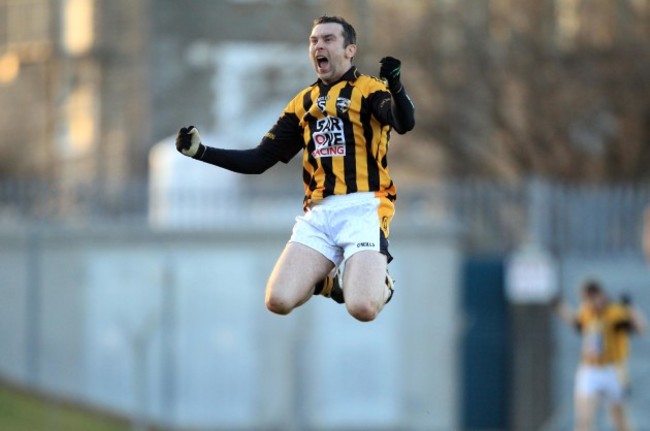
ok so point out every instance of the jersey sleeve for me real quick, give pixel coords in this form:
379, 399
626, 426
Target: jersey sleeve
284, 140
396, 110
622, 319
380, 102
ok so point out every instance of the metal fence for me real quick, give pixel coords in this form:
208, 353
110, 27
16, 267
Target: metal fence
494, 217
566, 219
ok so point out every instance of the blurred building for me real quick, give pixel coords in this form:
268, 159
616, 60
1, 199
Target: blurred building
503, 89
80, 90
94, 84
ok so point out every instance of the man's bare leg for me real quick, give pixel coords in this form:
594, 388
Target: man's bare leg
364, 284
293, 278
586, 407
619, 418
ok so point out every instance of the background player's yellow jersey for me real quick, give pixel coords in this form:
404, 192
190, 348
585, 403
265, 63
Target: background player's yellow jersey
605, 334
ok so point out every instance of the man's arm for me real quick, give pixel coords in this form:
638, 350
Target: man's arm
632, 319
566, 313
638, 320
252, 161
401, 115
402, 112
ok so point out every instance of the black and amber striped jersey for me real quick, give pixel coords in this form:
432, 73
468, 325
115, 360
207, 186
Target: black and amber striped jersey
605, 334
343, 130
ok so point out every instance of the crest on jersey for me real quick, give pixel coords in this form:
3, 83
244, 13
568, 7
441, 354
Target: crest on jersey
343, 104
321, 102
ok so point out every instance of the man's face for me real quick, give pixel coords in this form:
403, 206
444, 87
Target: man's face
596, 301
331, 59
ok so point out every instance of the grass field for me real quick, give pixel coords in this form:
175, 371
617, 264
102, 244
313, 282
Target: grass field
22, 411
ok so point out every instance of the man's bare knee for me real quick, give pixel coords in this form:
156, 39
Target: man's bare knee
364, 311
278, 305
363, 285
293, 278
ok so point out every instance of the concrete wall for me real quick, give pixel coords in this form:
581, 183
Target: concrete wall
171, 327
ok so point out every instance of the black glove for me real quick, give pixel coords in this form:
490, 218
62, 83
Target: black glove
188, 142
390, 71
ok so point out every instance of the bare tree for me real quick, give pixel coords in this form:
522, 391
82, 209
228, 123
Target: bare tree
500, 94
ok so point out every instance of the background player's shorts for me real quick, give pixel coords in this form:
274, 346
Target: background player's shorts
342, 225
601, 381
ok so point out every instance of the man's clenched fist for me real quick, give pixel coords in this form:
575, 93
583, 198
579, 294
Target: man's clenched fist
188, 142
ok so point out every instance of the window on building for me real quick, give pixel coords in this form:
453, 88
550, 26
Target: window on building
80, 122
78, 26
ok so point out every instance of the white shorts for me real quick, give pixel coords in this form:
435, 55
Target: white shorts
342, 225
600, 381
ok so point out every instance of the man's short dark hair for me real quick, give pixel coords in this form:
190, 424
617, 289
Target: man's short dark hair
591, 288
349, 34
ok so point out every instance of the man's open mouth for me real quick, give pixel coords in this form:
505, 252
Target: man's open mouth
322, 62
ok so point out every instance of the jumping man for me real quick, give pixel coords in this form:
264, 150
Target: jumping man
342, 124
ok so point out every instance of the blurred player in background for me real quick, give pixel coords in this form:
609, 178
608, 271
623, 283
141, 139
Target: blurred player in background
605, 327
342, 125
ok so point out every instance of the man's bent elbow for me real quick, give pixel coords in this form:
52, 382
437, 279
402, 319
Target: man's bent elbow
402, 129
257, 170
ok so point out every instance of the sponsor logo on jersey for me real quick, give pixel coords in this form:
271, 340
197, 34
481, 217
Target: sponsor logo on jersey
329, 138
365, 244
343, 104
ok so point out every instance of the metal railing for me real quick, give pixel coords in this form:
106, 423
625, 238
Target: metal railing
493, 217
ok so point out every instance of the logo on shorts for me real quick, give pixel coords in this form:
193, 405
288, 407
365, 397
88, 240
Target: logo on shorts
329, 138
384, 223
365, 244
